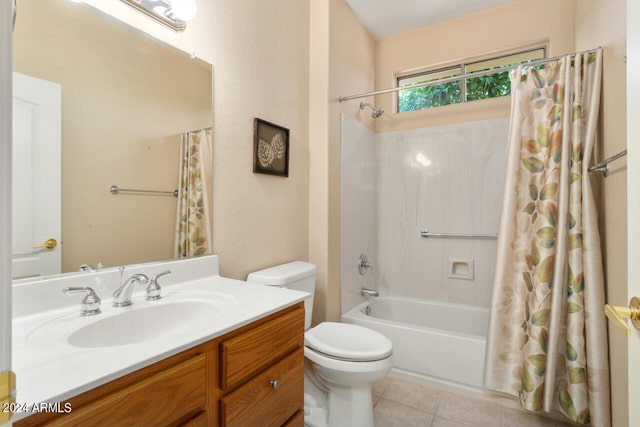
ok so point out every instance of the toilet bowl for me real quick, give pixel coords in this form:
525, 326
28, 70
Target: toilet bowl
342, 360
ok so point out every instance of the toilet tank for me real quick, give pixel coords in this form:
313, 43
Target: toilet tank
297, 275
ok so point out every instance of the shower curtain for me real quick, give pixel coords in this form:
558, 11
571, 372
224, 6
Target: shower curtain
193, 220
547, 341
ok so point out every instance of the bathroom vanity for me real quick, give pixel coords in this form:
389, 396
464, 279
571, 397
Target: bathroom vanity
243, 368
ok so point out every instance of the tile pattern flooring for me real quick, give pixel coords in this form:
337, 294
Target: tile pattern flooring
401, 401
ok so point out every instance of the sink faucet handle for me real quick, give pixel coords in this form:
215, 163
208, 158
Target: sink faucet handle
154, 288
90, 304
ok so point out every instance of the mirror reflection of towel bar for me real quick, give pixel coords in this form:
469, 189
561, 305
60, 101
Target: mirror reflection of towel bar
426, 234
114, 189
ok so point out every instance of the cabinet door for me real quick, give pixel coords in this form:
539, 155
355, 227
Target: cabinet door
175, 394
262, 402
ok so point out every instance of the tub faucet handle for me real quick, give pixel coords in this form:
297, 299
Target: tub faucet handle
364, 265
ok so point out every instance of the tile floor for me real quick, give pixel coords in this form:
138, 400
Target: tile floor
401, 401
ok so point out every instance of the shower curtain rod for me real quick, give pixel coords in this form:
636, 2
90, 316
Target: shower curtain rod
459, 77
198, 130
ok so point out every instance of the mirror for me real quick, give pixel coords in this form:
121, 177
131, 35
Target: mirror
126, 101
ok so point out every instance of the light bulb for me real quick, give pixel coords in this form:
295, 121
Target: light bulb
184, 10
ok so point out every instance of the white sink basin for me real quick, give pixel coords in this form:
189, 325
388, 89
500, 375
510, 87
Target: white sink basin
176, 314
134, 326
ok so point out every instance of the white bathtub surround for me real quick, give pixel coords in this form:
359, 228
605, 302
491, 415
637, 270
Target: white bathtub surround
396, 184
546, 320
50, 369
358, 210
444, 179
441, 341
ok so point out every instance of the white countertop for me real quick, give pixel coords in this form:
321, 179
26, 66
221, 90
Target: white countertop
49, 369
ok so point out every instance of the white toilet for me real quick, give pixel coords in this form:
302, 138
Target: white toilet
342, 360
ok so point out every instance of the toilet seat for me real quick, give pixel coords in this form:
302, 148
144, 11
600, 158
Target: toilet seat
345, 341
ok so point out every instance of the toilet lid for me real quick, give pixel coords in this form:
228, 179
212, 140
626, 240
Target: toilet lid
347, 341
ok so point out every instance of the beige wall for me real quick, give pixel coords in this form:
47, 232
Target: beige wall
194, 40
261, 69
603, 23
319, 155
125, 101
260, 56
342, 62
351, 70
473, 36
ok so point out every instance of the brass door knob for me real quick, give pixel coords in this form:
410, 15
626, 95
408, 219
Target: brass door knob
48, 244
618, 315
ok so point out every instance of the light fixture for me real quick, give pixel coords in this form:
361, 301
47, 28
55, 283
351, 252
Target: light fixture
172, 13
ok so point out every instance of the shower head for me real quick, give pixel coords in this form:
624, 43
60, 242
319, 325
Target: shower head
375, 111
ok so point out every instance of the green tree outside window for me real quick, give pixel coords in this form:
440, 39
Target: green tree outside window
476, 88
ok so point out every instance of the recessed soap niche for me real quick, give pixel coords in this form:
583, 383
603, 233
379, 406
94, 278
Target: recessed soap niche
460, 268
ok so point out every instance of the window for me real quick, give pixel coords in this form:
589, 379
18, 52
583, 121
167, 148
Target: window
460, 90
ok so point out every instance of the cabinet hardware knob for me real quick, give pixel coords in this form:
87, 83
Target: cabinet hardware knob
275, 384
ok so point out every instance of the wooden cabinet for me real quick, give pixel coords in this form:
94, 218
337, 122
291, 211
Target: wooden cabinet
245, 354
253, 376
268, 399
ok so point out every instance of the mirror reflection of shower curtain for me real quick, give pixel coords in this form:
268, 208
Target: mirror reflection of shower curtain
547, 341
193, 220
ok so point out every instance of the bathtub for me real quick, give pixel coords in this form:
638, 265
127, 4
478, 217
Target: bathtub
440, 341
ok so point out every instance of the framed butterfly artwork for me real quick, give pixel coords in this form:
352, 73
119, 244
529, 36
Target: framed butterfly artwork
270, 148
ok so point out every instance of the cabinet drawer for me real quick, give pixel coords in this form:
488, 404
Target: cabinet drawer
246, 354
258, 403
162, 399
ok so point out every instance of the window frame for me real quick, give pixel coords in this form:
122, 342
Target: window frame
463, 66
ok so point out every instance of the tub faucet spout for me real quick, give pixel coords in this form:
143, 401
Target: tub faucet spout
368, 292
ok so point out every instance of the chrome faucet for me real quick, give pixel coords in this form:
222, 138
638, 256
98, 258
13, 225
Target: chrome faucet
122, 296
365, 292
90, 304
154, 289
90, 268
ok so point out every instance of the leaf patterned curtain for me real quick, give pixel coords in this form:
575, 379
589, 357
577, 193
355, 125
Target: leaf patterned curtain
193, 223
547, 341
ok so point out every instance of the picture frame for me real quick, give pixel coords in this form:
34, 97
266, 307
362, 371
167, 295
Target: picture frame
270, 148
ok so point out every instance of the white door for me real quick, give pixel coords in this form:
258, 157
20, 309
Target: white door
633, 196
36, 177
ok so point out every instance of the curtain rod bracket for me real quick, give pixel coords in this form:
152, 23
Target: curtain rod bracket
603, 166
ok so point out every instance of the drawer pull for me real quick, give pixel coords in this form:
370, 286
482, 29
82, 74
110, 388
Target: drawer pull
275, 384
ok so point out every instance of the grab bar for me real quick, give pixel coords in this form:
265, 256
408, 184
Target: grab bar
114, 189
427, 234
